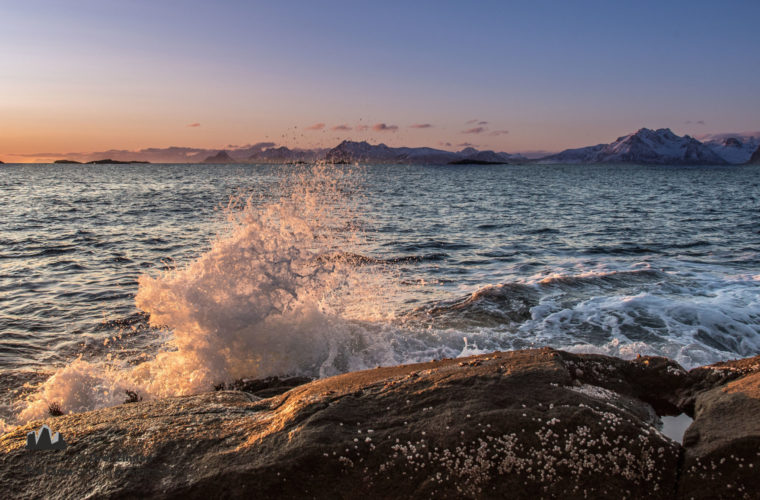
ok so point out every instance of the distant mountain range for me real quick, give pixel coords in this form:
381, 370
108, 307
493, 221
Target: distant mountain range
658, 147
645, 146
350, 151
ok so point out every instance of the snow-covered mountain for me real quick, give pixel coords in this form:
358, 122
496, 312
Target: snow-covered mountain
661, 147
736, 149
352, 151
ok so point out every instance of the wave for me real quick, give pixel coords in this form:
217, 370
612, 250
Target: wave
288, 287
694, 319
278, 292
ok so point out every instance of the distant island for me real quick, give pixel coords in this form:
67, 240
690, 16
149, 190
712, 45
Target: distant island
645, 146
107, 161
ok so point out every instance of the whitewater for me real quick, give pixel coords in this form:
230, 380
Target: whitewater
170, 279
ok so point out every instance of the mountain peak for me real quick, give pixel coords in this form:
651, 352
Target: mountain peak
645, 146
221, 157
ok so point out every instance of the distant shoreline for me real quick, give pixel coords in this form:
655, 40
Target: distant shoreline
107, 161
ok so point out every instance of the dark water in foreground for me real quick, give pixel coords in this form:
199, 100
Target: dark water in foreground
410, 261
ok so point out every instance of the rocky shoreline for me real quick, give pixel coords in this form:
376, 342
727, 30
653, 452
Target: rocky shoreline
527, 424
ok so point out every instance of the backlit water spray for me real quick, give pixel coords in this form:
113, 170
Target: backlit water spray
281, 291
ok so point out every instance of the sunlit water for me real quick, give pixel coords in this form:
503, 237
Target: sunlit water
322, 271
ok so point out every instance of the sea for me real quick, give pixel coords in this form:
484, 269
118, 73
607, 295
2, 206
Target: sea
170, 279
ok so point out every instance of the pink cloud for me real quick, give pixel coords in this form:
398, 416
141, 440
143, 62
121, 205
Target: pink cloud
499, 132
421, 125
466, 145
362, 128
341, 128
382, 127
482, 123
476, 130
193, 125
470, 122
316, 126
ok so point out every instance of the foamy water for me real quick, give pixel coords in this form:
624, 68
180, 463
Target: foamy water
324, 270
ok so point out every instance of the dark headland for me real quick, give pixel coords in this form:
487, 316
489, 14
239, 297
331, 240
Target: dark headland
527, 424
755, 158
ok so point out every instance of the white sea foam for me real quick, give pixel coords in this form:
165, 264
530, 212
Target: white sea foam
275, 294
709, 321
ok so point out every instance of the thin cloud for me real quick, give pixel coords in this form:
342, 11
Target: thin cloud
499, 132
341, 128
194, 125
475, 130
466, 145
482, 123
421, 125
362, 128
382, 127
316, 126
470, 122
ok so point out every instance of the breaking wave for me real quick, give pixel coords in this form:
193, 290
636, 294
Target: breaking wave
290, 286
278, 292
694, 319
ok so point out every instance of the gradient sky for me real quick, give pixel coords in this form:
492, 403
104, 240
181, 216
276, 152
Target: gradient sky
95, 75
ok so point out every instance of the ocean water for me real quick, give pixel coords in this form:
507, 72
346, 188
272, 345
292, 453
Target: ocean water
169, 279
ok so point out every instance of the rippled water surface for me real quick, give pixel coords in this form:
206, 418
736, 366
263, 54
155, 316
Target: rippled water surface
616, 259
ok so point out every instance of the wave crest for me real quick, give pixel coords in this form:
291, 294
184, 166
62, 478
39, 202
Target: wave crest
267, 298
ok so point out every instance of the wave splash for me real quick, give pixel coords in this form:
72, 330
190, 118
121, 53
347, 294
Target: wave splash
278, 292
287, 289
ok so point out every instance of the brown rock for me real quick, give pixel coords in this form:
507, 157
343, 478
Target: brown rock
722, 446
526, 424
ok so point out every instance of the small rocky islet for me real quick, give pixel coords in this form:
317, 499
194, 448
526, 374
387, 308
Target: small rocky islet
538, 423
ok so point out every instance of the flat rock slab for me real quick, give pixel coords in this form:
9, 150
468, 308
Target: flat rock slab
526, 424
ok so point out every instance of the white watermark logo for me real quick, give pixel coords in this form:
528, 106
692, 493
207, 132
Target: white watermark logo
43, 439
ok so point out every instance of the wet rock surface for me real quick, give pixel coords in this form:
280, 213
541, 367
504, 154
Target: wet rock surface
722, 446
526, 424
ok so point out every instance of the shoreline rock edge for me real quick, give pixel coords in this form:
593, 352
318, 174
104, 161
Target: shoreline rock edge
525, 424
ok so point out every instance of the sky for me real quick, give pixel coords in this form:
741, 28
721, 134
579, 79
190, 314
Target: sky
513, 76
